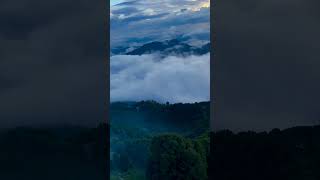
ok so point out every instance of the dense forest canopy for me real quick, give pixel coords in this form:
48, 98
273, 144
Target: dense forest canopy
138, 128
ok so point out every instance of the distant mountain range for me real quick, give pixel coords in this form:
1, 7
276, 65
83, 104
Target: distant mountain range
169, 47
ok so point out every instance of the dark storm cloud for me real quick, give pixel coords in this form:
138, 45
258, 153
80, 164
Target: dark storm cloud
267, 64
51, 62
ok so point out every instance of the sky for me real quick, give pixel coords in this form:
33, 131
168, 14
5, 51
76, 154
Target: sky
149, 77
267, 60
137, 22
114, 2
267, 64
51, 62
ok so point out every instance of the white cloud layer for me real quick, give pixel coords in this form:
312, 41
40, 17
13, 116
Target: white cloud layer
147, 77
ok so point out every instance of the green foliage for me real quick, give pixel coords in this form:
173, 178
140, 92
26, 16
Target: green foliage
138, 126
124, 162
201, 145
173, 157
131, 174
186, 117
134, 174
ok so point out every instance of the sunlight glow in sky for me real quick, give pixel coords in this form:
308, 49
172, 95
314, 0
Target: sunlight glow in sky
113, 2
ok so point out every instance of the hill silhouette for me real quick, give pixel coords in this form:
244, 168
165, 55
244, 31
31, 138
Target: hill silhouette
292, 154
53, 153
81, 152
169, 47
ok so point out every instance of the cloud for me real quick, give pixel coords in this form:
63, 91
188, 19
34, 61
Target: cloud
165, 5
267, 64
147, 77
158, 20
51, 62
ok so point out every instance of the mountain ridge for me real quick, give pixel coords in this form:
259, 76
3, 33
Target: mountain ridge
165, 48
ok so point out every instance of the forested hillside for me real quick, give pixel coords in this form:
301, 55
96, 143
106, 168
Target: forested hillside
138, 149
53, 153
292, 153
142, 133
